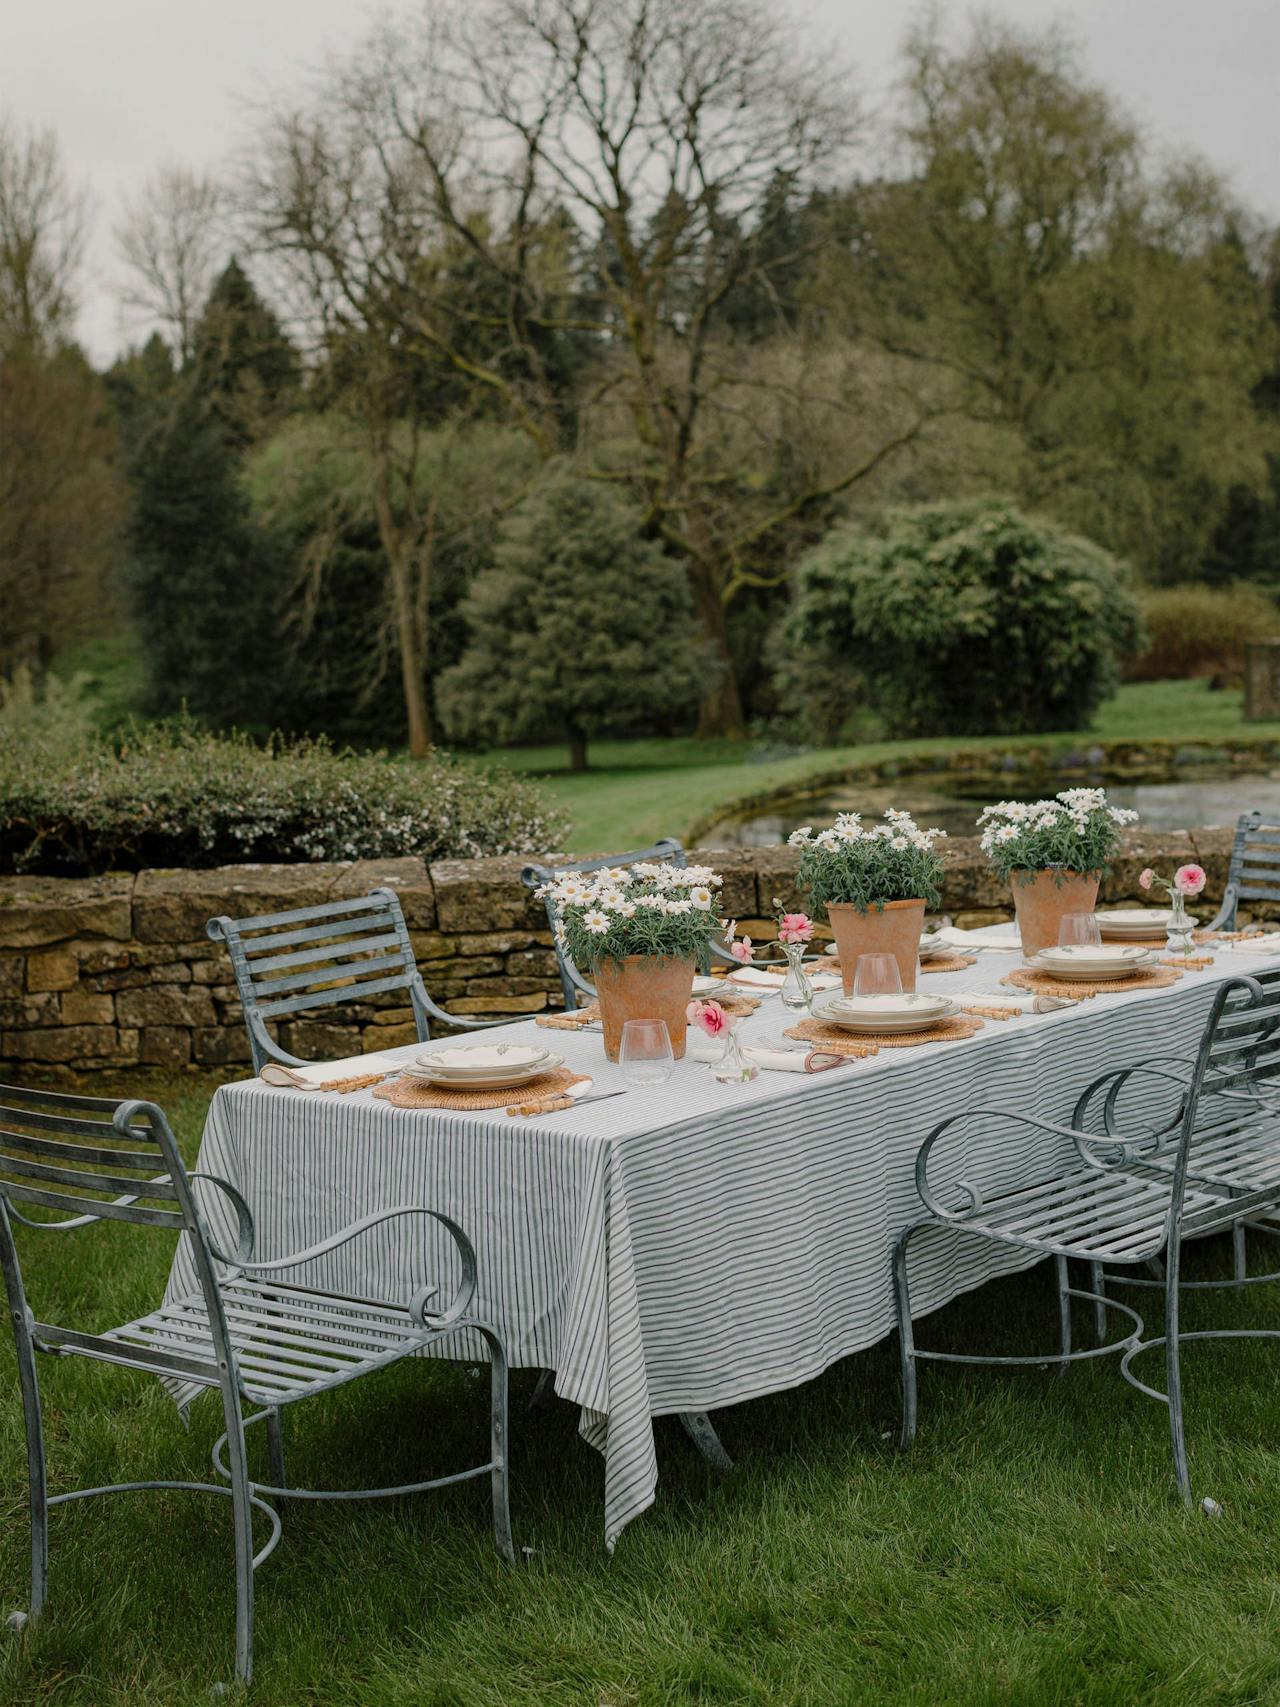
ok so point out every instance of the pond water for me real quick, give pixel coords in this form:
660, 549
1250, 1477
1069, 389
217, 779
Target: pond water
947, 803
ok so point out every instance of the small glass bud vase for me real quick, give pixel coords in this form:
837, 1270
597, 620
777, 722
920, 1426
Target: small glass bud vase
1178, 931
797, 991
733, 1068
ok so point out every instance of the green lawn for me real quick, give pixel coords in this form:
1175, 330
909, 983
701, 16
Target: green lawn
636, 791
1028, 1551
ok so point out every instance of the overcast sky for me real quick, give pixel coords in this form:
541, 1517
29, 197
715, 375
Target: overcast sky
129, 85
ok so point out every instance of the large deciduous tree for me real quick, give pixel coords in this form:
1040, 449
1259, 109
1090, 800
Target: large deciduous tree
615, 176
172, 244
1091, 312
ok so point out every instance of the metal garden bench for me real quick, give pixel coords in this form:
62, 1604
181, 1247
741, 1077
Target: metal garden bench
1132, 1194
260, 1339
315, 957
534, 876
1254, 871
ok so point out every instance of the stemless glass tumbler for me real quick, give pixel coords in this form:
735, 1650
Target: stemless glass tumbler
645, 1052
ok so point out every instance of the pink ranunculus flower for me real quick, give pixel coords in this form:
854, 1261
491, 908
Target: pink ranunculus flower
741, 950
708, 1016
1189, 879
1146, 878
795, 927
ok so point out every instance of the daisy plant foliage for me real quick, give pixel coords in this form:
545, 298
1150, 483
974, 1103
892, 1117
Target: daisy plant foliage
665, 911
1076, 831
869, 865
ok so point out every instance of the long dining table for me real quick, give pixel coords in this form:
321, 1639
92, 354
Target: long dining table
689, 1245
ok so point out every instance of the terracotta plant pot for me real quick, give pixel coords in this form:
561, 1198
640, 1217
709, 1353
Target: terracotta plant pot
643, 987
894, 930
1040, 898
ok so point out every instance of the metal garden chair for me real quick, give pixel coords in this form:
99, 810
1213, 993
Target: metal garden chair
534, 876
314, 957
1130, 1196
1254, 871
259, 1339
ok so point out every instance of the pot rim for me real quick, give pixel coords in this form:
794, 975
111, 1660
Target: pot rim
881, 907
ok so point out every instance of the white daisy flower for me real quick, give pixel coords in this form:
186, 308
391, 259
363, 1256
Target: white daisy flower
596, 922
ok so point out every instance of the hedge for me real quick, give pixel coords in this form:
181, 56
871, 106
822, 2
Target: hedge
73, 803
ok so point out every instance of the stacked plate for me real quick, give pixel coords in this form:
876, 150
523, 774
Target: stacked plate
705, 989
932, 946
1134, 924
887, 1013
1094, 965
482, 1066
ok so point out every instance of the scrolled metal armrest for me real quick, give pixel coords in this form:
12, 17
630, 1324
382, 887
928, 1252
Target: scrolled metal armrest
1168, 1069
973, 1197
245, 1232
417, 1306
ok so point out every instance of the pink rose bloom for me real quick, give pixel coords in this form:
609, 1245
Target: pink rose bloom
741, 950
707, 1016
1146, 878
795, 927
1189, 879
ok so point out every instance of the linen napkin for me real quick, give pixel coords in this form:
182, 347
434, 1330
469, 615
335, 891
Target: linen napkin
710, 1049
991, 938
1268, 944
1027, 1002
765, 979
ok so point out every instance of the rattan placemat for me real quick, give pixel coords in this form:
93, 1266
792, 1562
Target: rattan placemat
841, 1042
1145, 978
410, 1093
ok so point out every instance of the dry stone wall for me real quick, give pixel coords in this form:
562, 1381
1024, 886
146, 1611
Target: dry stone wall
116, 972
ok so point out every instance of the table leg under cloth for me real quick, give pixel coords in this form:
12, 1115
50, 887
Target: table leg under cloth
687, 1246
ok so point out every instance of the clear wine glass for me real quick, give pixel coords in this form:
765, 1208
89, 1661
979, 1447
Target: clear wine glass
877, 975
645, 1053
1079, 930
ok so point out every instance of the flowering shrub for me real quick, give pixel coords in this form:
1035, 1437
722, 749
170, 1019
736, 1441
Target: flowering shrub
661, 910
1075, 831
170, 794
891, 861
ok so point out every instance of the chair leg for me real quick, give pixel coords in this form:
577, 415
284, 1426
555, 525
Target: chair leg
242, 1516
275, 1449
500, 1476
1239, 1250
906, 1340
1098, 1285
37, 1484
1064, 1312
701, 1431
1173, 1371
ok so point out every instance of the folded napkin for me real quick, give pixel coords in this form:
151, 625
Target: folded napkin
997, 937
709, 1049
765, 979
1023, 1003
1267, 944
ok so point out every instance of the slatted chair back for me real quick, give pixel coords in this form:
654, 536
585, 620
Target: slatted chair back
1254, 871
68, 1162
1235, 1082
534, 876
317, 957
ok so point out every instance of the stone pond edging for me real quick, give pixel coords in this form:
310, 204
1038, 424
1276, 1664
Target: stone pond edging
108, 973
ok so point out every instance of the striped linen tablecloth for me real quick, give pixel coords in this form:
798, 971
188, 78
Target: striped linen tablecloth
690, 1245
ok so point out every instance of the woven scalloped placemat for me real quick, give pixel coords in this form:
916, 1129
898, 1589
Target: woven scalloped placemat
841, 1042
1044, 984
407, 1093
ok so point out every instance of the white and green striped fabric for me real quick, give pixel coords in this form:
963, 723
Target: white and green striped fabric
691, 1245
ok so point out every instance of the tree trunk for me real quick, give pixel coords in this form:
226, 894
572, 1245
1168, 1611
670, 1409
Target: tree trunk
577, 750
720, 710
412, 665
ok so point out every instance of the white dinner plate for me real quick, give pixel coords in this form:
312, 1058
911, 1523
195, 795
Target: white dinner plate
1112, 960
931, 946
887, 1013
497, 1078
705, 988
480, 1060
1150, 919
